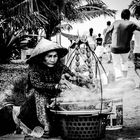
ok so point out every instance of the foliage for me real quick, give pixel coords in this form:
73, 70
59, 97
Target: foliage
135, 8
50, 13
10, 44
24, 15
11, 72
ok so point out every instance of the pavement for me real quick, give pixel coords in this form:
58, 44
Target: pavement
124, 133
23, 137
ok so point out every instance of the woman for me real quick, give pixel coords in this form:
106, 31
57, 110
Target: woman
45, 73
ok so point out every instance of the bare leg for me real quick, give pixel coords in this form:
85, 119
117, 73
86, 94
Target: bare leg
109, 53
109, 57
124, 74
138, 74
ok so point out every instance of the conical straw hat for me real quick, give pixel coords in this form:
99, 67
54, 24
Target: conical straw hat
45, 46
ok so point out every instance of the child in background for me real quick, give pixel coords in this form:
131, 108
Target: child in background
99, 48
91, 38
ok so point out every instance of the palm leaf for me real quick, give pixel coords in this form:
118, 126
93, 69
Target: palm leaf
50, 13
90, 9
65, 26
135, 8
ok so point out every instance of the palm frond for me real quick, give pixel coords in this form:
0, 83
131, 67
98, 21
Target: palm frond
96, 12
96, 8
21, 8
134, 4
135, 8
65, 26
50, 13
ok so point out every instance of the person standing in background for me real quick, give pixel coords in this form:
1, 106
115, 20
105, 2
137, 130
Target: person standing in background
122, 32
99, 40
91, 39
107, 43
99, 48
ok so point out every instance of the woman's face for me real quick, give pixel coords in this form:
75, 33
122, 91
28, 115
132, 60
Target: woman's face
51, 58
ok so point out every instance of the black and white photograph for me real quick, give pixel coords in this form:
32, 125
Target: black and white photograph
69, 69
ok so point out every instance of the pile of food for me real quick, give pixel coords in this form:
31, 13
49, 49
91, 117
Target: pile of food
76, 98
83, 106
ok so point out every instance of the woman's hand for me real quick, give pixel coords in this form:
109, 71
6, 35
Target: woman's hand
63, 87
68, 77
63, 84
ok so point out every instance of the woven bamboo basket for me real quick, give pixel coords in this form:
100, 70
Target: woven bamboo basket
82, 125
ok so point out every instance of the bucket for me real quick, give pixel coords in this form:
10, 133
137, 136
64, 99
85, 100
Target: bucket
115, 120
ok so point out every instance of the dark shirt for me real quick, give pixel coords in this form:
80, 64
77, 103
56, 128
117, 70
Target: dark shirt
44, 79
108, 39
99, 41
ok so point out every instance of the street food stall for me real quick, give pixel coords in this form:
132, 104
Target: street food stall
81, 109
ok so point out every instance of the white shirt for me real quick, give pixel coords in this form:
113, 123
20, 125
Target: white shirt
91, 39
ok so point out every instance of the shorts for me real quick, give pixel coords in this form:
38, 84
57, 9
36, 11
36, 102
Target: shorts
107, 48
137, 60
120, 63
99, 51
92, 46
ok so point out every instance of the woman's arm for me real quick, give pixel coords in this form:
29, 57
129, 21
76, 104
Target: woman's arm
37, 81
138, 28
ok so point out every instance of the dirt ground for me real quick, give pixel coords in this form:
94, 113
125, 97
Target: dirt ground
131, 72
124, 133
